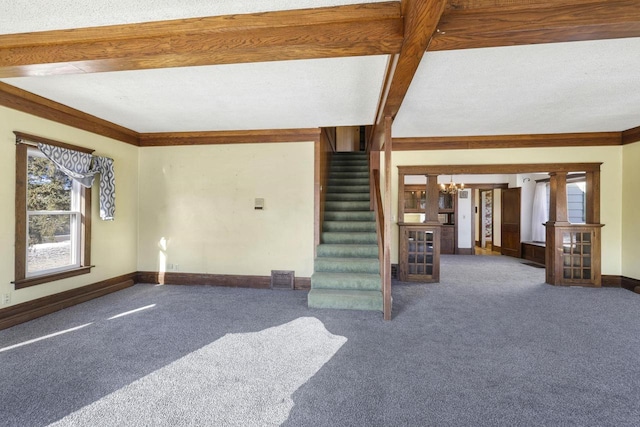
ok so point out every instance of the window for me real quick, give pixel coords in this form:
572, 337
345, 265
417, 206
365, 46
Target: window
576, 202
52, 220
576, 198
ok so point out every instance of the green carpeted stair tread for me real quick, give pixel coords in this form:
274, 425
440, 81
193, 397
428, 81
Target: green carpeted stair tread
347, 265
349, 226
347, 205
349, 175
347, 197
348, 168
345, 299
335, 182
336, 237
349, 216
348, 189
347, 250
347, 281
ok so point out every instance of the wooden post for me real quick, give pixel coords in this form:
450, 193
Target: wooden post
386, 278
557, 218
558, 198
592, 215
431, 206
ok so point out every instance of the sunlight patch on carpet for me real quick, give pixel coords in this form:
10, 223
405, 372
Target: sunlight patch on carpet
238, 380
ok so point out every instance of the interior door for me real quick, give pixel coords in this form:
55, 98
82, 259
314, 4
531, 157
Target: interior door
511, 222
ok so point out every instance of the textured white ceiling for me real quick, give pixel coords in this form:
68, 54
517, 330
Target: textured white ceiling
267, 95
21, 16
590, 86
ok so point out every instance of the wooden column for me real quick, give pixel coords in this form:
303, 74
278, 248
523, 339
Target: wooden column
558, 198
431, 206
557, 218
592, 215
386, 276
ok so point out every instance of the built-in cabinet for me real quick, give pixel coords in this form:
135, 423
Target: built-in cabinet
419, 253
415, 201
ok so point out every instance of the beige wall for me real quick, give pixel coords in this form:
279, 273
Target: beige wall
611, 178
631, 211
113, 248
197, 209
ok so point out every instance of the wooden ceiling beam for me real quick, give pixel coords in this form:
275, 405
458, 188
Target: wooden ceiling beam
508, 141
420, 20
352, 30
467, 24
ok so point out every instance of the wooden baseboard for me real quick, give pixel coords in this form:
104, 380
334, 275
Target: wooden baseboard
628, 283
30, 310
466, 251
229, 280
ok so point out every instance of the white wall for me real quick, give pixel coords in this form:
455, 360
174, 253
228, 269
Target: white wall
197, 209
527, 184
630, 210
464, 218
611, 177
113, 243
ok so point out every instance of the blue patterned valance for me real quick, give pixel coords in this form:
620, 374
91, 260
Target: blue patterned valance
82, 167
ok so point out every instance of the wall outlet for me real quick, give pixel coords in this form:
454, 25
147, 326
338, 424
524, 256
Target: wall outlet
6, 298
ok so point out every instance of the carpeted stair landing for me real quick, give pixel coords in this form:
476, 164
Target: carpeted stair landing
346, 269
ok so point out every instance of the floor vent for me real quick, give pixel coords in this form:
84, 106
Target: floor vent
282, 279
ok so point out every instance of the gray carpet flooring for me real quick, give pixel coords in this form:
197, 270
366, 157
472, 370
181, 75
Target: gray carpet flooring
489, 345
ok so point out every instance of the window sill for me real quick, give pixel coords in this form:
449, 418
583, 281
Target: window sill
38, 280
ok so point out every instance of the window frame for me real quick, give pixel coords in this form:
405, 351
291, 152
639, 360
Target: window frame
22, 278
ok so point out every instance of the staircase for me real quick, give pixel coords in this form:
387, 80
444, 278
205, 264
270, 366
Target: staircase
346, 269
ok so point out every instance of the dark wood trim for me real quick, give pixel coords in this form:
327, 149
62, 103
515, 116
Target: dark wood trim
488, 24
386, 201
27, 102
302, 283
33, 138
30, 310
465, 251
485, 186
229, 137
20, 252
586, 139
498, 168
611, 281
630, 136
349, 30
227, 280
628, 283
46, 278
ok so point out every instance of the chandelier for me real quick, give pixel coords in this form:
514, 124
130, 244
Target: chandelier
452, 188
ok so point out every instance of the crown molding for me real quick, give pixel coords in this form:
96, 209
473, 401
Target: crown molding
228, 137
27, 102
508, 141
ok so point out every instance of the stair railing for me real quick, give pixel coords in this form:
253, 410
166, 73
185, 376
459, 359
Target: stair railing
380, 231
